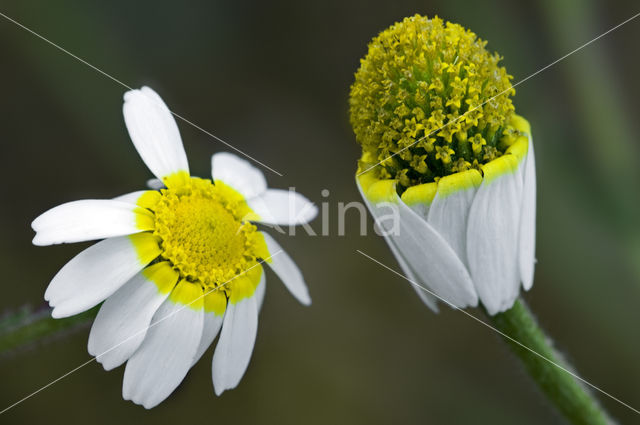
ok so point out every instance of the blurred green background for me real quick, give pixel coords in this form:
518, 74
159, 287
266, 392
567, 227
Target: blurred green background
272, 78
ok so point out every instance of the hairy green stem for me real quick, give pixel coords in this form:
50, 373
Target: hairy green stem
570, 396
27, 327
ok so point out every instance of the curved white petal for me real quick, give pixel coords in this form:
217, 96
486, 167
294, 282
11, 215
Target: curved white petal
212, 325
433, 260
261, 289
234, 349
283, 207
449, 210
167, 352
97, 272
527, 248
155, 184
154, 132
423, 249
287, 270
123, 319
492, 235
89, 219
429, 299
422, 209
215, 304
131, 197
239, 174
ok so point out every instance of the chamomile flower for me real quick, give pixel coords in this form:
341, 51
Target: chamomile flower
442, 144
177, 265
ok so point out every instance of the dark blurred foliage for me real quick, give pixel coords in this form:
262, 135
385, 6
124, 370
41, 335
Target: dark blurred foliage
272, 78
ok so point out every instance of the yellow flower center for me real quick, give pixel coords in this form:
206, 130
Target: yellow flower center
429, 100
204, 231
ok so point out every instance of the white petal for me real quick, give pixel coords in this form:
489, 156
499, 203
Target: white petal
449, 210
97, 272
261, 289
423, 249
283, 207
154, 132
212, 325
528, 221
124, 318
234, 349
130, 198
239, 174
422, 209
215, 304
287, 271
492, 236
429, 299
167, 352
155, 184
89, 219
433, 260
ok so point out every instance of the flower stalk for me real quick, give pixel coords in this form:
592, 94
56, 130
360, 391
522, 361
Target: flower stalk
569, 395
27, 327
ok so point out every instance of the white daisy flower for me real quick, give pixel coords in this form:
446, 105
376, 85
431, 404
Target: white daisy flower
176, 265
443, 148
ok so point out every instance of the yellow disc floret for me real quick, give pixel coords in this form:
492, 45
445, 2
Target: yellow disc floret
429, 100
204, 232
